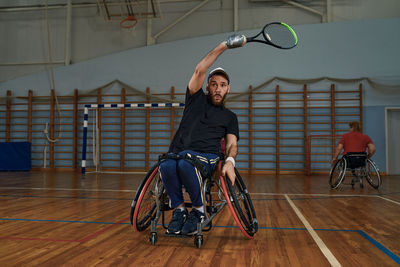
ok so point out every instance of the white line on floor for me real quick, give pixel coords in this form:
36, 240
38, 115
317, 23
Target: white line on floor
395, 202
133, 191
325, 250
314, 195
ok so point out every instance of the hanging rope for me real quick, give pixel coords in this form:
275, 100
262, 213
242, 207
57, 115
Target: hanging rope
95, 141
53, 84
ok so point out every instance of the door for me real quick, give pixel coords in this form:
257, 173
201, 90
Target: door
393, 140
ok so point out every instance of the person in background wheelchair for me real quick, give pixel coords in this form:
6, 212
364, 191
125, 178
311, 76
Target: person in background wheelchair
204, 123
355, 143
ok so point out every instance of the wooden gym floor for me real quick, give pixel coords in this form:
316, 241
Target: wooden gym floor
60, 218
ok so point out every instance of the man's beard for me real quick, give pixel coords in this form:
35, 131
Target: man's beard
221, 103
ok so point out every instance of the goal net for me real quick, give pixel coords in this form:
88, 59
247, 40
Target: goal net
321, 149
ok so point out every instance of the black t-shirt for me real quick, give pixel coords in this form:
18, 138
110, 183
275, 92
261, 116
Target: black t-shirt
203, 125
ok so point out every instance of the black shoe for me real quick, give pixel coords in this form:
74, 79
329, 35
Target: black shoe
177, 221
190, 226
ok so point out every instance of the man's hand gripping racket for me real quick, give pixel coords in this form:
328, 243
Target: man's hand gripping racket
277, 34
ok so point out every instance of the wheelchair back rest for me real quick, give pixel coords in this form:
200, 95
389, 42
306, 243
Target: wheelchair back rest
356, 160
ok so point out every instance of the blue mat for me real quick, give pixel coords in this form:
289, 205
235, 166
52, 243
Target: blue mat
15, 156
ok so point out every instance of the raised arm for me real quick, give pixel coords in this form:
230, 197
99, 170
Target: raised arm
199, 75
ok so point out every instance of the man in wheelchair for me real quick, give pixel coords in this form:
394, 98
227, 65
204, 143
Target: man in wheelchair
354, 143
204, 123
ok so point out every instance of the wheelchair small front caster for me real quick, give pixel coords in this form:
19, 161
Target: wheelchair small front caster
353, 182
198, 241
153, 238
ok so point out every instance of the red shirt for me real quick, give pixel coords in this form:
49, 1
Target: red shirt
355, 142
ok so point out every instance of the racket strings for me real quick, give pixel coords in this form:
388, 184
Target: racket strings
280, 35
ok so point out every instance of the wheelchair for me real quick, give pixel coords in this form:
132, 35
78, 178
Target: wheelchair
360, 166
151, 200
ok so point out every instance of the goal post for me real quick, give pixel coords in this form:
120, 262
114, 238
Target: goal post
97, 107
321, 149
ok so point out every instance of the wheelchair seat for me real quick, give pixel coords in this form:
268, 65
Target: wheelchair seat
356, 159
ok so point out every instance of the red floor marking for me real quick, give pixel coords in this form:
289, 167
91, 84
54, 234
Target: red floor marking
103, 230
40, 239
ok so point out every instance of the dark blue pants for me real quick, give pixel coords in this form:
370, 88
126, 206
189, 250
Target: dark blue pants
178, 173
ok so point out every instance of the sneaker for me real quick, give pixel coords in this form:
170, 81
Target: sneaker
177, 221
190, 226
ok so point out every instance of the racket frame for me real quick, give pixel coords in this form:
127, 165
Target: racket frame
267, 38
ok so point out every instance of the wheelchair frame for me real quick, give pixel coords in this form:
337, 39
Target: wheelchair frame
151, 201
368, 170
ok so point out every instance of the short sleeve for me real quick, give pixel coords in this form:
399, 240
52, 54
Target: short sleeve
368, 140
233, 126
190, 98
342, 140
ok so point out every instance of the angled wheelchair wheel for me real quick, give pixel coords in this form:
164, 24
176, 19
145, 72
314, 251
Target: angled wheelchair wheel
372, 174
240, 204
144, 204
337, 173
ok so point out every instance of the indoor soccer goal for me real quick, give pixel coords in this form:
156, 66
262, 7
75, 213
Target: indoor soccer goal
321, 149
116, 137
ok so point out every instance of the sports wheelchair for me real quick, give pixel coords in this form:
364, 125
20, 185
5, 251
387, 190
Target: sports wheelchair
151, 200
360, 167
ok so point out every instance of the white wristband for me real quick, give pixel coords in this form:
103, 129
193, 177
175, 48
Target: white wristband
231, 159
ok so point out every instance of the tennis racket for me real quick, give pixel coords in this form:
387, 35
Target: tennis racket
277, 34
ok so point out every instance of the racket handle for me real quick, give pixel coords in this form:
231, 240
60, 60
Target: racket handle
249, 39
236, 40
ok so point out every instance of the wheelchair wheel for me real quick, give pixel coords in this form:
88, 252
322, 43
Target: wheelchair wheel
337, 173
240, 204
144, 205
372, 174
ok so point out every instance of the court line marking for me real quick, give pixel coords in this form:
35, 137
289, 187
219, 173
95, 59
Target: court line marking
127, 190
37, 239
324, 249
82, 240
378, 245
388, 199
324, 195
50, 220
134, 191
123, 199
102, 230
68, 189
130, 199
254, 193
63, 197
318, 195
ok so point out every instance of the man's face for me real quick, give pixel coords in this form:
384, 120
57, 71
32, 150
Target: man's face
217, 88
